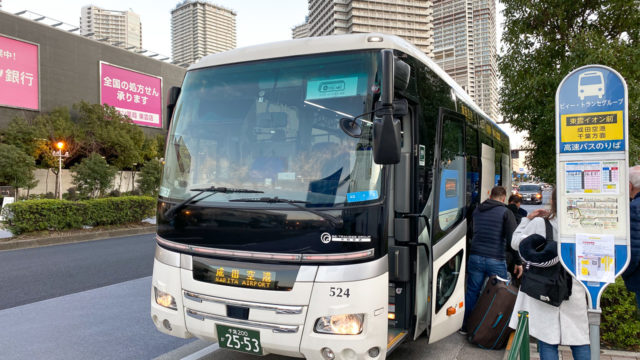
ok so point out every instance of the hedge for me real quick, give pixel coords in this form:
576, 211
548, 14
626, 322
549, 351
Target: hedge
620, 326
47, 214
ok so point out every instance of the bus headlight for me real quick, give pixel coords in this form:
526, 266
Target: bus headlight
164, 299
347, 324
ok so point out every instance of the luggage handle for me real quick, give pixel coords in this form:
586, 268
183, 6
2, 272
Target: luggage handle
498, 278
500, 316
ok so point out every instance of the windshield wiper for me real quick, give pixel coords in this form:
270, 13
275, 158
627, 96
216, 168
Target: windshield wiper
212, 190
295, 203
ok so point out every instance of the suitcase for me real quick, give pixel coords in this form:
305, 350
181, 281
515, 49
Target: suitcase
488, 324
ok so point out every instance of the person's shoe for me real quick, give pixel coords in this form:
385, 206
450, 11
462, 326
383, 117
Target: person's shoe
463, 332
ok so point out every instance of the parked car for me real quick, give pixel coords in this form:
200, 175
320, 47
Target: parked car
531, 193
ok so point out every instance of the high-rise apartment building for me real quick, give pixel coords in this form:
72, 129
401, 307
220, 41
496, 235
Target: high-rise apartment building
409, 19
485, 56
465, 47
460, 35
121, 28
299, 31
199, 28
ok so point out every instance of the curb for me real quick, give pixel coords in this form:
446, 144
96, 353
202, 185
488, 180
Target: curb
74, 238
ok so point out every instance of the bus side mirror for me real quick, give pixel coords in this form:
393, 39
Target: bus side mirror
386, 129
174, 93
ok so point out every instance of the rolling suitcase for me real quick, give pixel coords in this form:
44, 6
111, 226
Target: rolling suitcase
488, 324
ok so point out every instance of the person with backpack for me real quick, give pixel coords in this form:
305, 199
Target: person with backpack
558, 318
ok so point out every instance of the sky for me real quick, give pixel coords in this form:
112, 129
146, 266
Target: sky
257, 21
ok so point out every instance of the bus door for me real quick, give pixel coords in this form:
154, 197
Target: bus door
402, 251
449, 228
487, 181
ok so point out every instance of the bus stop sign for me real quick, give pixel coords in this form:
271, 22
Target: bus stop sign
592, 157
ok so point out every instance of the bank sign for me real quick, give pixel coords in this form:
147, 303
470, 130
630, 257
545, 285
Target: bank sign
19, 82
591, 109
134, 94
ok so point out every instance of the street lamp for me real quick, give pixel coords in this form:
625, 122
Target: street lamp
60, 146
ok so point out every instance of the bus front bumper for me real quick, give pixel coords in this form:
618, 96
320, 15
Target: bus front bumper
286, 328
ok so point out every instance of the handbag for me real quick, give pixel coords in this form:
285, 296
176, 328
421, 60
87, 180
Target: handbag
544, 277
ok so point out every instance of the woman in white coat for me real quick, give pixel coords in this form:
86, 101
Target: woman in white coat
566, 324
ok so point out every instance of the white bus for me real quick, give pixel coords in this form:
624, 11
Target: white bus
316, 196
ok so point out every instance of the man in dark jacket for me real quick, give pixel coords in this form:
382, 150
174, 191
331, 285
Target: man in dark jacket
493, 226
515, 201
631, 276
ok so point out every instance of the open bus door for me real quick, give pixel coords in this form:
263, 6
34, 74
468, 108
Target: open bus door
443, 282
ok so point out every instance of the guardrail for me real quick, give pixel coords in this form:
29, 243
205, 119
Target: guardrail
520, 345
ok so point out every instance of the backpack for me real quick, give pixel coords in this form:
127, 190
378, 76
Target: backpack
544, 277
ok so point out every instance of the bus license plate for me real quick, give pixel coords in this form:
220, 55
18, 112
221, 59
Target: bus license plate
239, 339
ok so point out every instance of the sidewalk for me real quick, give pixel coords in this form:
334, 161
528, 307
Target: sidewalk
73, 236
565, 354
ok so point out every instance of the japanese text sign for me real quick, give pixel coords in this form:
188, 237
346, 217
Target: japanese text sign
137, 95
592, 177
19, 86
591, 109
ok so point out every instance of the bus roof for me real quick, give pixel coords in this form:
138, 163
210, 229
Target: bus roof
334, 43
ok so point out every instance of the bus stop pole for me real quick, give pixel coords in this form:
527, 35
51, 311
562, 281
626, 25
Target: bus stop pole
594, 332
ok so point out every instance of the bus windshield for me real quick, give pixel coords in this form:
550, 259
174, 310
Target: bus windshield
274, 126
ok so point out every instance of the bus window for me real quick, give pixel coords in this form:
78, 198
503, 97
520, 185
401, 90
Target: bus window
473, 166
498, 167
452, 178
447, 280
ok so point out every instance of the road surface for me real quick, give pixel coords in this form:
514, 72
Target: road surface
90, 300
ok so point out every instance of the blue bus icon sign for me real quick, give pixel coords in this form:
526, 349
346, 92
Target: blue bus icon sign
591, 83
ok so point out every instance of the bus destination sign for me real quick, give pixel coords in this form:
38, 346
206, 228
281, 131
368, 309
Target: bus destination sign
257, 279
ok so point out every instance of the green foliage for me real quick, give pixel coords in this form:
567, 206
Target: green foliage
620, 319
111, 134
20, 134
119, 210
93, 176
51, 128
93, 128
16, 167
544, 41
160, 142
150, 175
37, 215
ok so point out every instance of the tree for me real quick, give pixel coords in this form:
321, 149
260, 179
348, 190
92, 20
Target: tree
543, 42
16, 167
93, 176
20, 134
150, 176
51, 128
111, 134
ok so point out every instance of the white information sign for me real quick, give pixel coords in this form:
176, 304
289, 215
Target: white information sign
592, 177
595, 257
